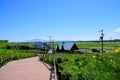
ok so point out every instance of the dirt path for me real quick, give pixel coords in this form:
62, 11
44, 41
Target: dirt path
25, 69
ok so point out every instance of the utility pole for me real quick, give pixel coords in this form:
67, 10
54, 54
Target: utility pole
53, 46
101, 38
110, 40
50, 41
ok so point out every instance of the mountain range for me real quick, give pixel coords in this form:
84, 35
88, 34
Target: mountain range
41, 40
36, 40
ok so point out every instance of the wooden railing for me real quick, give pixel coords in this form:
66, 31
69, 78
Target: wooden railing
55, 68
56, 74
58, 71
3, 59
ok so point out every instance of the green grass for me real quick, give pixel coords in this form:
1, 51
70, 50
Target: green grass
97, 45
104, 66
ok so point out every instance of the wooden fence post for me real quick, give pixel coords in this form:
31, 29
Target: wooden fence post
58, 71
59, 75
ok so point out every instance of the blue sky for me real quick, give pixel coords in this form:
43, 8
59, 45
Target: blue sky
22, 20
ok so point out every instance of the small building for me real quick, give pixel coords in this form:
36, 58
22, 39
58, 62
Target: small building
42, 46
50, 51
59, 47
66, 47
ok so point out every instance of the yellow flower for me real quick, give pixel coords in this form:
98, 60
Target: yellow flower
94, 57
117, 50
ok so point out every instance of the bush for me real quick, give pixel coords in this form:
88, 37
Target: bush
104, 66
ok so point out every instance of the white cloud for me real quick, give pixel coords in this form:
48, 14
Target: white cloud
118, 30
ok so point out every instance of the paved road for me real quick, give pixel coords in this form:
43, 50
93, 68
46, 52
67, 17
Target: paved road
25, 69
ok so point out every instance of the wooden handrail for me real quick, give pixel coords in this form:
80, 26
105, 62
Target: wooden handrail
55, 69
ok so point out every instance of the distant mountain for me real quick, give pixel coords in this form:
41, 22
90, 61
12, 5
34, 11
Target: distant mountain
36, 40
64, 41
41, 40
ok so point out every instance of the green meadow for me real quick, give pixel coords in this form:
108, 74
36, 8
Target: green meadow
104, 66
97, 45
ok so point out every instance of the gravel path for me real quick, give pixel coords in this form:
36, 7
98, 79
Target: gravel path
25, 69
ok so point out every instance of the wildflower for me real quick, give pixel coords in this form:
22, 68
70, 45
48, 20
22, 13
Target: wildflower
117, 50
94, 57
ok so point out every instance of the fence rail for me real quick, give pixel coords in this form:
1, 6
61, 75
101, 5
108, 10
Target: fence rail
55, 71
55, 68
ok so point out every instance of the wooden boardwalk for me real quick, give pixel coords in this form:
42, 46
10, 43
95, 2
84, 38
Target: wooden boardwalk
25, 69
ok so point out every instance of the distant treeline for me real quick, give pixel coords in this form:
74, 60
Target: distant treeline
3, 41
16, 46
4, 44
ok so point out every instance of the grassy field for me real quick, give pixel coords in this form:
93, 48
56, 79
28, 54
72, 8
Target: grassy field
104, 66
97, 45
